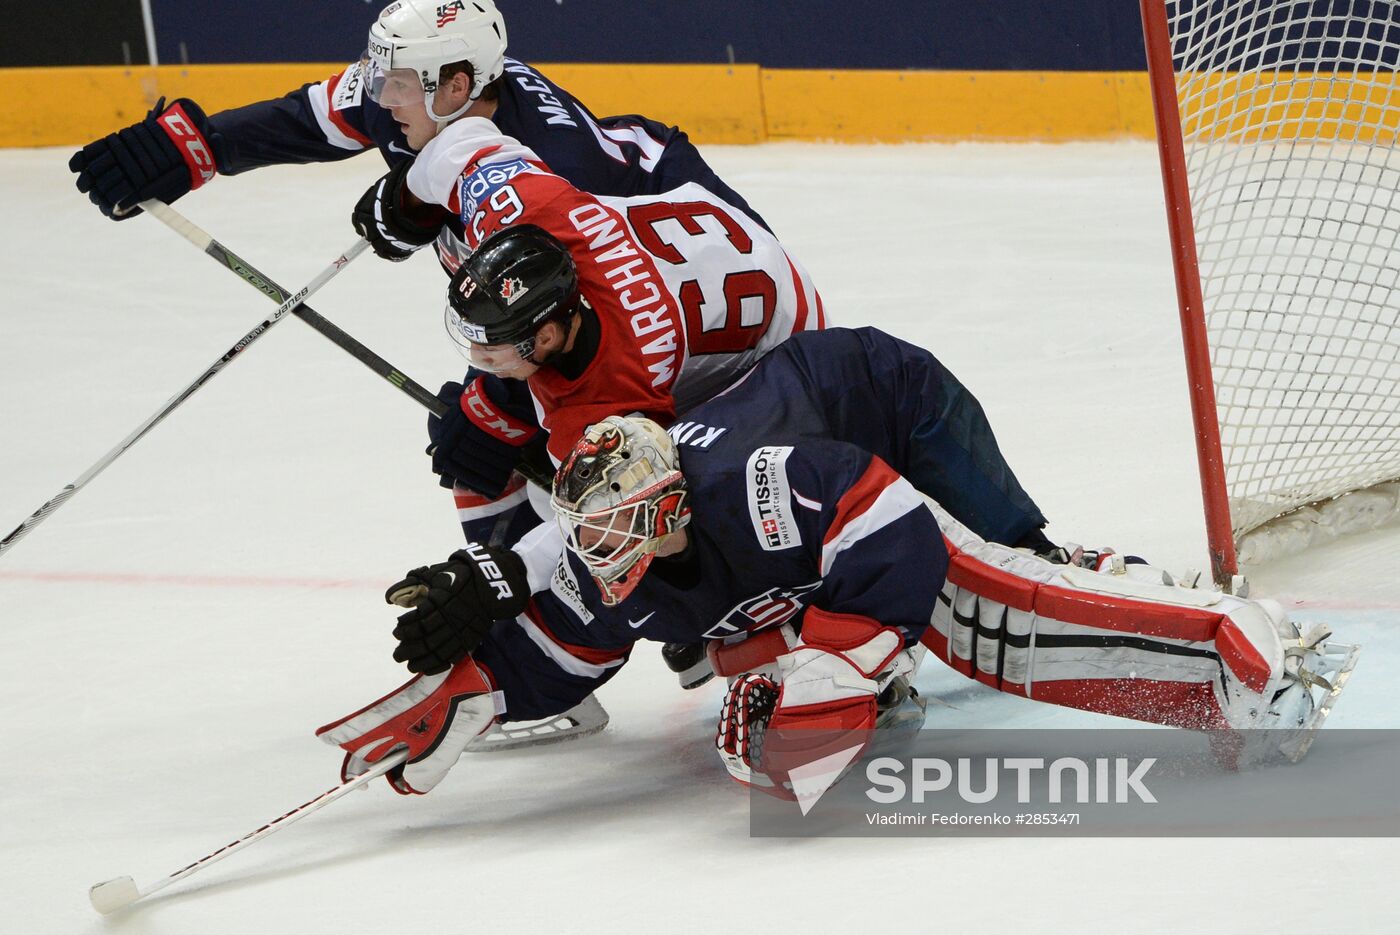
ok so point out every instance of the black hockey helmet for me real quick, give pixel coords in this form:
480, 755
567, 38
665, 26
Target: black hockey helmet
518, 279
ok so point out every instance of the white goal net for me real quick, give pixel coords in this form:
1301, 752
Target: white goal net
1290, 114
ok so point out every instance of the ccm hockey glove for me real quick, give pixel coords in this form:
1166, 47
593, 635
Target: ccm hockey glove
162, 157
433, 717
487, 431
454, 604
394, 222
823, 701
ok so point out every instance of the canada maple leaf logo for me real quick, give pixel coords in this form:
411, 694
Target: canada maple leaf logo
512, 289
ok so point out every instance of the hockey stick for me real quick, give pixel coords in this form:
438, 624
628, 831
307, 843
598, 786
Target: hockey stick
117, 893
587, 717
250, 274
289, 304
538, 474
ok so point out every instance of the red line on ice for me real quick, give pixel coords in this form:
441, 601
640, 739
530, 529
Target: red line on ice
197, 581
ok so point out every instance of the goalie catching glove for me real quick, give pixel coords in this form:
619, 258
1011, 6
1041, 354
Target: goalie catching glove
824, 691
454, 604
163, 157
394, 222
433, 717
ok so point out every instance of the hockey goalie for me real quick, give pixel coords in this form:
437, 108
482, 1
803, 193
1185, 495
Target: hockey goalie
841, 512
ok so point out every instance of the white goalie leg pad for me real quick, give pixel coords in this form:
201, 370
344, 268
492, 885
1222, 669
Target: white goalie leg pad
1132, 643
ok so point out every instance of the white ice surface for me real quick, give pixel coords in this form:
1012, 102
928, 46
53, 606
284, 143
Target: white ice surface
176, 632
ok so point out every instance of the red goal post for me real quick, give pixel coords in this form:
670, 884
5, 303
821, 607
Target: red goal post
1278, 123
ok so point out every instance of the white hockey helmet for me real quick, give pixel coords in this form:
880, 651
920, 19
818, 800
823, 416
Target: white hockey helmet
413, 39
620, 492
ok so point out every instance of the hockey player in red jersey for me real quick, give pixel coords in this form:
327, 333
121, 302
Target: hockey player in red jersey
602, 305
778, 524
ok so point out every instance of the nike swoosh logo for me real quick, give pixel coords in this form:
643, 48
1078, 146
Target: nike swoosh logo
451, 578
634, 624
396, 148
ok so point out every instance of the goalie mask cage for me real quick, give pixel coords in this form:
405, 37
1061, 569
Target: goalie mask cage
1277, 122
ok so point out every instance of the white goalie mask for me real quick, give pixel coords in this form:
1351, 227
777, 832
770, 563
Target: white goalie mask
619, 492
413, 39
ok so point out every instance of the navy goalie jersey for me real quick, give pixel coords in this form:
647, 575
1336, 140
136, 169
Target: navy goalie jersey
335, 119
800, 479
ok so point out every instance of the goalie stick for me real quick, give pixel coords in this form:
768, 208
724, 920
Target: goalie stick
290, 303
587, 717
109, 896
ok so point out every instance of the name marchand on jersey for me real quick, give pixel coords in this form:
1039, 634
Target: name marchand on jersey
633, 276
770, 500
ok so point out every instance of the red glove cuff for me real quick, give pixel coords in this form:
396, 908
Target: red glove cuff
495, 422
825, 629
193, 147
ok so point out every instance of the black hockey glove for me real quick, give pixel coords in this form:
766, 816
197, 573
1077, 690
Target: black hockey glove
489, 429
394, 222
454, 604
162, 157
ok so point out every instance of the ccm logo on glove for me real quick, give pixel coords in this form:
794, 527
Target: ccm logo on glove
492, 420
177, 125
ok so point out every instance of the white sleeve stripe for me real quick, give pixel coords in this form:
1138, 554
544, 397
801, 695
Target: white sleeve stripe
560, 656
437, 171
809, 293
893, 502
652, 148
321, 107
468, 513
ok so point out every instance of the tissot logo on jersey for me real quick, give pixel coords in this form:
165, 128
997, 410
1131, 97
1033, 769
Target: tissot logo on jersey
348, 89
484, 181
769, 609
565, 587
770, 500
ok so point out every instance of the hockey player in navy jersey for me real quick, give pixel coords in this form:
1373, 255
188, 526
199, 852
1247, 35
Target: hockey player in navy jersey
428, 66
777, 524
428, 62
